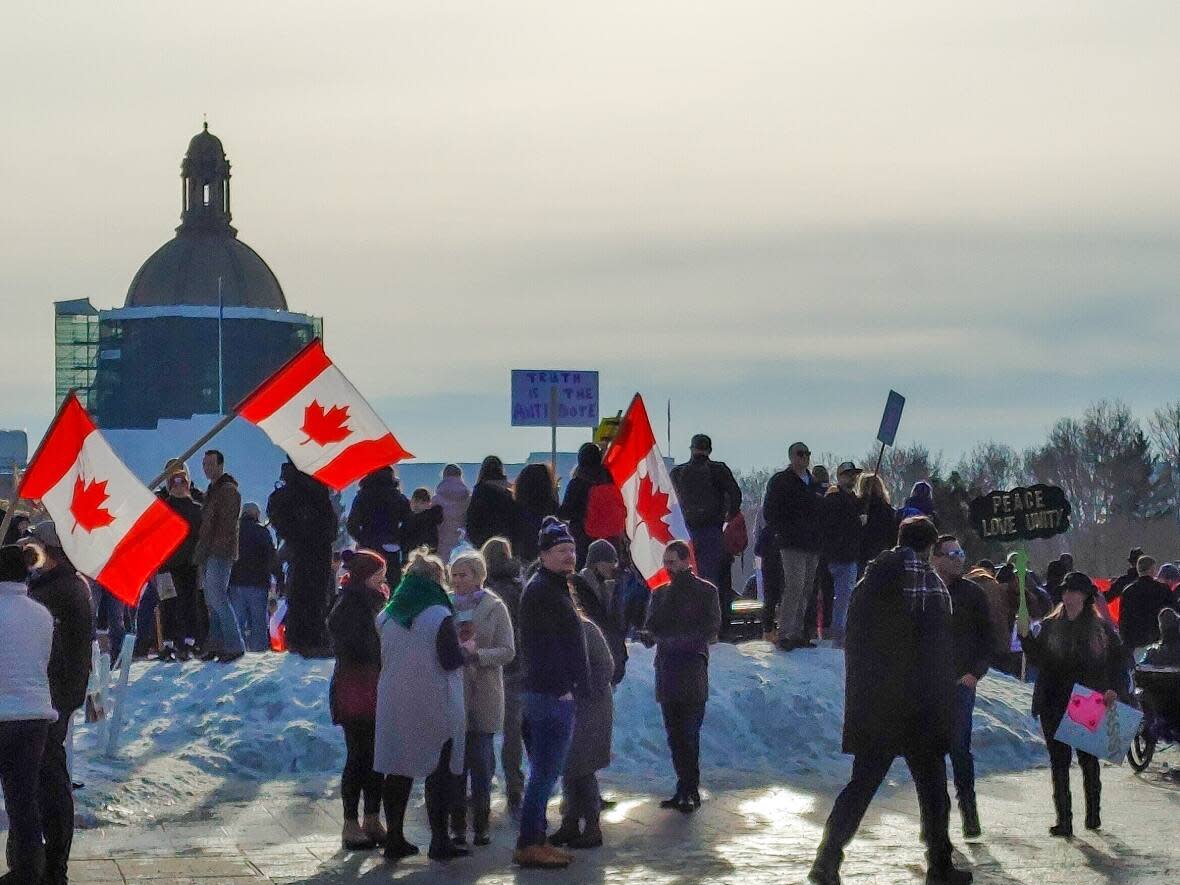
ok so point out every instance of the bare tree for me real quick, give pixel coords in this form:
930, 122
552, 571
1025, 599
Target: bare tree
990, 466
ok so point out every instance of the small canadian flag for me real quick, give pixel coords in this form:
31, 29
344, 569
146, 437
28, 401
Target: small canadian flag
653, 511
314, 414
111, 526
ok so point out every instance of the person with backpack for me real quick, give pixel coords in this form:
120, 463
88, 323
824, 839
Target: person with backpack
593, 507
709, 497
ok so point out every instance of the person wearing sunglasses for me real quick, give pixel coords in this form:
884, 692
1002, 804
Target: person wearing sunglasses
971, 630
791, 507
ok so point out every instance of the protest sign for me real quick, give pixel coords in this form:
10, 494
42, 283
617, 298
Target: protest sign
533, 394
1038, 511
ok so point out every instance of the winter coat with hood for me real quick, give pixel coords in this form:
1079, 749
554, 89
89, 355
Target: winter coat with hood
589, 473
67, 596
594, 713
597, 600
352, 694
26, 641
899, 670
683, 618
378, 511
492, 511
483, 678
842, 533
453, 496
791, 507
218, 535
919, 503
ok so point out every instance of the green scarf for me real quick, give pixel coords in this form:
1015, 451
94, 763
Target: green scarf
413, 596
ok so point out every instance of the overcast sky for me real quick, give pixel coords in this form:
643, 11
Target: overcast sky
770, 213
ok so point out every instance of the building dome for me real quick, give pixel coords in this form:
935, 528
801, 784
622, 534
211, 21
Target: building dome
186, 270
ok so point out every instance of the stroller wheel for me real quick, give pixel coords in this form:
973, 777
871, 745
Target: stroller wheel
1142, 748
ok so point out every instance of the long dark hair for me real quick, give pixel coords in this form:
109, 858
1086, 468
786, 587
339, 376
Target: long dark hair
1089, 618
536, 490
492, 469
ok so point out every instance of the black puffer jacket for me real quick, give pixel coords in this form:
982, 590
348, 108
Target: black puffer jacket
792, 508
707, 491
378, 511
65, 593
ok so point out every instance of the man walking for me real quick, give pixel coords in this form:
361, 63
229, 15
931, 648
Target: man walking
791, 508
217, 549
709, 497
843, 526
899, 685
683, 619
971, 633
60, 588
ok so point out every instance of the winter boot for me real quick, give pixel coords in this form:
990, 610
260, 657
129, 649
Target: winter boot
826, 869
441, 847
1062, 804
1093, 789
566, 833
459, 823
481, 815
970, 815
591, 837
373, 829
353, 838
948, 874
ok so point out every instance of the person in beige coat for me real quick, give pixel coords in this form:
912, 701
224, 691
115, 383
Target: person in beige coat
486, 638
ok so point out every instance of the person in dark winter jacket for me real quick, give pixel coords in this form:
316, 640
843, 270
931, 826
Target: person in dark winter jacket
595, 589
684, 617
63, 591
973, 643
492, 512
302, 515
791, 507
843, 521
1166, 652
920, 502
590, 493
183, 617
420, 527
375, 520
352, 693
880, 530
1055, 573
506, 580
709, 497
1122, 582
536, 497
770, 568
1072, 646
215, 554
555, 669
1141, 605
249, 583
899, 685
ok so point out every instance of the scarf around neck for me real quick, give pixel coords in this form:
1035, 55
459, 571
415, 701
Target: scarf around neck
413, 596
921, 586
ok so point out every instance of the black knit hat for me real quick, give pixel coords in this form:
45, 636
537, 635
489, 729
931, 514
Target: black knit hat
1078, 582
553, 532
12, 564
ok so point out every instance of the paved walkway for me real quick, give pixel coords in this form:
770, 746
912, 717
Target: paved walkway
746, 836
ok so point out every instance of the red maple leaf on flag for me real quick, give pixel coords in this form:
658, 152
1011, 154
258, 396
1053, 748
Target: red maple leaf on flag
324, 428
652, 507
86, 505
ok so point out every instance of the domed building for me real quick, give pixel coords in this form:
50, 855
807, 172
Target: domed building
204, 321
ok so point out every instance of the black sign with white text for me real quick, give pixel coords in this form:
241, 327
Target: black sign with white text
1022, 514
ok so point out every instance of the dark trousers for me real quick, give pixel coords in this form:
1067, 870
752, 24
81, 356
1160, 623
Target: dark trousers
580, 800
22, 744
708, 545
440, 794
109, 615
55, 795
962, 761
359, 777
868, 771
1060, 757
309, 582
682, 722
179, 617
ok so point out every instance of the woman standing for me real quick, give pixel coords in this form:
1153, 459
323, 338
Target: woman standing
880, 531
590, 748
453, 496
487, 642
1072, 645
492, 510
420, 715
536, 497
353, 692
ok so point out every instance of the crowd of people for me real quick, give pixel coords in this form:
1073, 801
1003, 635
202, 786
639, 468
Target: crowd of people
460, 614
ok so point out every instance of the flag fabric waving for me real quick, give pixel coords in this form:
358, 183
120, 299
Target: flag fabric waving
314, 414
111, 526
653, 511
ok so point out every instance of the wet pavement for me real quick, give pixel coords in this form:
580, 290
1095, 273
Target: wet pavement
741, 836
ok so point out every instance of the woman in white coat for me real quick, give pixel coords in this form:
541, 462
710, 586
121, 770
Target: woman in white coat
486, 638
421, 719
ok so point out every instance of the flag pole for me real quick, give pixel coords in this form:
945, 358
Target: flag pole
553, 429
220, 351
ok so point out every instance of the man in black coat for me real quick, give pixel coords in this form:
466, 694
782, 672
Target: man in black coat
899, 686
971, 631
709, 497
59, 587
843, 524
683, 619
791, 507
1122, 582
1142, 601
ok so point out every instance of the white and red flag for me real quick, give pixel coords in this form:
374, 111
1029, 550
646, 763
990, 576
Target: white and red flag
314, 414
111, 526
653, 512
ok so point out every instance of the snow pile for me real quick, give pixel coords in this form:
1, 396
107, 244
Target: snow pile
195, 729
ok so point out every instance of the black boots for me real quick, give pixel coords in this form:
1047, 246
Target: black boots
437, 811
481, 815
458, 815
948, 874
1062, 804
970, 815
826, 869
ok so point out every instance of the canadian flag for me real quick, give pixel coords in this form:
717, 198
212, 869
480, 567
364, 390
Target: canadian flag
653, 512
111, 526
314, 414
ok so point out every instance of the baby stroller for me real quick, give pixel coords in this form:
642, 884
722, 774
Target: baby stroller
1158, 691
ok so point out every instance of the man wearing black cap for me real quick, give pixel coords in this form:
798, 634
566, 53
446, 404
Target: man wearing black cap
1122, 582
709, 497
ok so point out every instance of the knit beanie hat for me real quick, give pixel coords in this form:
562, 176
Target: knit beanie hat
601, 550
553, 532
361, 565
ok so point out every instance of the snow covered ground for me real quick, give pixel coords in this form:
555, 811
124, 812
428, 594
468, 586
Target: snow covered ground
196, 734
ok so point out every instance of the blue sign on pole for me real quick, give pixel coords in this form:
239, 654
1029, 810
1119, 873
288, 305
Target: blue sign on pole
891, 419
575, 393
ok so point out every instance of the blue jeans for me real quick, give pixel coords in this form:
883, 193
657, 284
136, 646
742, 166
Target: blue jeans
224, 636
249, 605
843, 580
709, 547
479, 765
962, 762
550, 727
108, 615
